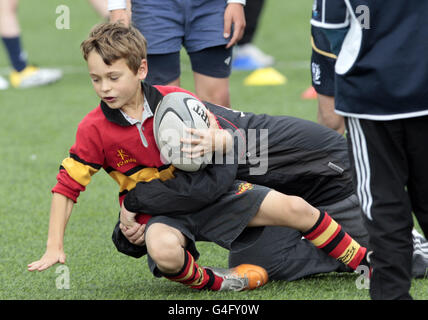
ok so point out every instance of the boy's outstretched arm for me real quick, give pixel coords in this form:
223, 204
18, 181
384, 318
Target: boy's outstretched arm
61, 208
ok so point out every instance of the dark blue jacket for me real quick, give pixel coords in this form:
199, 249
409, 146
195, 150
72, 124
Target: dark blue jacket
382, 67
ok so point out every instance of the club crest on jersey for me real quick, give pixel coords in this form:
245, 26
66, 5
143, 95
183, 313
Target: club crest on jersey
244, 186
124, 158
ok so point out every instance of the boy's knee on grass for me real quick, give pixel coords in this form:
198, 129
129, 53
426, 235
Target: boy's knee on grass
165, 247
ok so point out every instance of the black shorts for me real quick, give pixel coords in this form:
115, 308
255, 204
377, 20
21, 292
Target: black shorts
222, 222
213, 62
322, 63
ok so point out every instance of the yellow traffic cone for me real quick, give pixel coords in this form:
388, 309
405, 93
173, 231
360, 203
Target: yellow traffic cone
265, 77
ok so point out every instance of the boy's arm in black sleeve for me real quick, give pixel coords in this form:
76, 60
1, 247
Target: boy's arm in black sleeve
191, 191
187, 192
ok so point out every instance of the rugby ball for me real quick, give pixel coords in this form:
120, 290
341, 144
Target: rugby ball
176, 112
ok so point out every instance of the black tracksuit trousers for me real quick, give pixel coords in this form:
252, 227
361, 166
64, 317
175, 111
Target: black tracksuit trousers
391, 177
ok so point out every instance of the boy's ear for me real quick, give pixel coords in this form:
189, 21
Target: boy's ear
143, 69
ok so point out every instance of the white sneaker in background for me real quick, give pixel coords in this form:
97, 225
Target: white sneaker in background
32, 77
3, 83
249, 57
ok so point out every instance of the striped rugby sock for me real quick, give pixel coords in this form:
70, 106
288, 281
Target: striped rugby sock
194, 276
328, 236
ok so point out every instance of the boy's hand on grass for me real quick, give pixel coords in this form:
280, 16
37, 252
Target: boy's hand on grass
50, 258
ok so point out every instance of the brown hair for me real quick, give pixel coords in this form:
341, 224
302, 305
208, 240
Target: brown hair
113, 41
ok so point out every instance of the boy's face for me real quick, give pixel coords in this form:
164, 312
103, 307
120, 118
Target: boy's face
116, 85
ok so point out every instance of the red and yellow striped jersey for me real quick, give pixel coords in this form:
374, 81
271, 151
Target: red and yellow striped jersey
105, 139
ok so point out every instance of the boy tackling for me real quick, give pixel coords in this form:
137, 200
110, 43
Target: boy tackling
118, 137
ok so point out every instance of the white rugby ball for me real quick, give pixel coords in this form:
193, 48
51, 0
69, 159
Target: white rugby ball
176, 112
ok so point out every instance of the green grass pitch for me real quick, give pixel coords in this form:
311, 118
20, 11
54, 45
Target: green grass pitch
37, 129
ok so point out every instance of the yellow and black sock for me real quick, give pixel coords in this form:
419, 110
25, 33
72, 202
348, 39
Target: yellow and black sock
194, 276
328, 236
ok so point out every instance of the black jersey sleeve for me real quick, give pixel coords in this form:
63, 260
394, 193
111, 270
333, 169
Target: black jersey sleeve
192, 191
186, 193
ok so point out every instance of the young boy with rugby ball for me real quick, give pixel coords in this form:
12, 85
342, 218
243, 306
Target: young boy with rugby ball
118, 137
